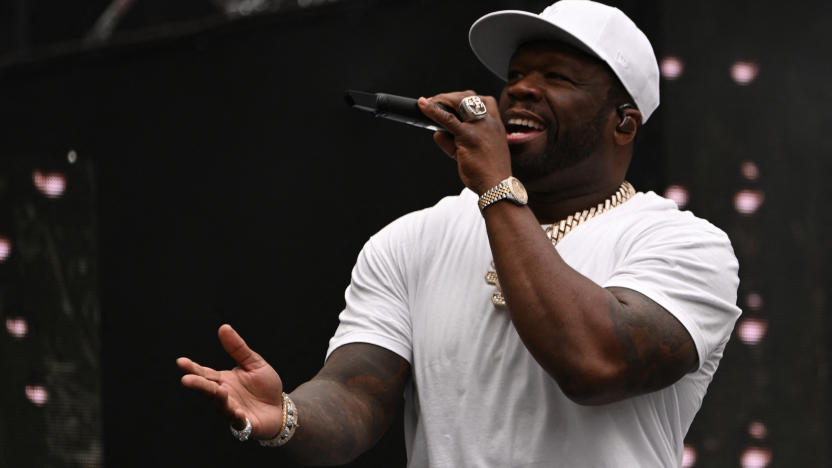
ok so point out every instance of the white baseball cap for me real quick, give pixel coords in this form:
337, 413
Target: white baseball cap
600, 30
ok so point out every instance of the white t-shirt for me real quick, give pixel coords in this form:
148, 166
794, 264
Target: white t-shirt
477, 397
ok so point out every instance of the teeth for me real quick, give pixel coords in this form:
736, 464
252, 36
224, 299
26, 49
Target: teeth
525, 123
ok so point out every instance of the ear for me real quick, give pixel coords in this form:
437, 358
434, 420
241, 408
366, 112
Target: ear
627, 127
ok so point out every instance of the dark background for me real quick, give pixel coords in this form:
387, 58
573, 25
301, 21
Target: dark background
221, 178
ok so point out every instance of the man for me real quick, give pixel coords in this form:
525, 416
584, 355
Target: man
511, 352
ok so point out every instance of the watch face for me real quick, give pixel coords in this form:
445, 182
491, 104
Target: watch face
519, 191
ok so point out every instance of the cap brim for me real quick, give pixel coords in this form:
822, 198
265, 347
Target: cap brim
495, 37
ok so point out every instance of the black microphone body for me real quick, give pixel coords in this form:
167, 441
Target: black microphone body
397, 108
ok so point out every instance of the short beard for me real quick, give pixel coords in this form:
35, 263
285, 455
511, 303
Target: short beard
574, 147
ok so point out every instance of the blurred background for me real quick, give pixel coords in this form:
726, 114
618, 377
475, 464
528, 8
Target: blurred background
166, 167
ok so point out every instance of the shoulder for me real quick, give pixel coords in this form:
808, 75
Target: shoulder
428, 224
649, 217
462, 205
653, 235
680, 261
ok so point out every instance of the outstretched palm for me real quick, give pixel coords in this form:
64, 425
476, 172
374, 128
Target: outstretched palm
251, 390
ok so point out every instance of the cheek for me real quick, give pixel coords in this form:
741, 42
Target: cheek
573, 100
503, 102
574, 113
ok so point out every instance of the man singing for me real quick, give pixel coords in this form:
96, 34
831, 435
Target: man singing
550, 315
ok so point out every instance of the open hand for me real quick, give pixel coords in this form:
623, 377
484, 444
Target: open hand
251, 390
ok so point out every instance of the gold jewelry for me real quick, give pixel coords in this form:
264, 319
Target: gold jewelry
557, 231
508, 189
287, 429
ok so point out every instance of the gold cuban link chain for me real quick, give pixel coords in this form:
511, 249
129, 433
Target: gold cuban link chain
557, 231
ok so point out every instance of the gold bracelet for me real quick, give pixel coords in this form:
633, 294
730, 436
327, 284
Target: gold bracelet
287, 429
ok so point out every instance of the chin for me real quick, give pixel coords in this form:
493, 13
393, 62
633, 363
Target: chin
533, 167
529, 170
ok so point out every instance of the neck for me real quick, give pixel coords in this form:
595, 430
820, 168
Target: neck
552, 206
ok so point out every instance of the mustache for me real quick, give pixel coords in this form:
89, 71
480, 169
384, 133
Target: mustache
514, 104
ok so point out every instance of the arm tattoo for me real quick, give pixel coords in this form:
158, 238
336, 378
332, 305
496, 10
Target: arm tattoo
349, 405
657, 349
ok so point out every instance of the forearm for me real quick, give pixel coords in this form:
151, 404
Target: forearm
349, 405
335, 425
563, 318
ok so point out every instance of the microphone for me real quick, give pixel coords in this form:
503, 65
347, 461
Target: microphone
396, 108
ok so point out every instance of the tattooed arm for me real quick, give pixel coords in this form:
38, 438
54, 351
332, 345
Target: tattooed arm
600, 345
349, 405
342, 411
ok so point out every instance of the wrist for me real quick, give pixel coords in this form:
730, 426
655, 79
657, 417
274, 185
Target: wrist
486, 184
510, 189
288, 426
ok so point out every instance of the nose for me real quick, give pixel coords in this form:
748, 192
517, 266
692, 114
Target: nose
527, 87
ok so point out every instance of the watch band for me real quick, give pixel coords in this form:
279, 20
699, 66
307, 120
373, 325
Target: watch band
510, 189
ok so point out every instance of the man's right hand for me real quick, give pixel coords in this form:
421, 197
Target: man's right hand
343, 410
251, 390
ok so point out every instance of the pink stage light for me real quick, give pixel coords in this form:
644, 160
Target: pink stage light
749, 170
37, 394
754, 301
757, 430
5, 248
677, 193
747, 202
688, 456
51, 184
744, 72
672, 67
755, 457
752, 330
17, 327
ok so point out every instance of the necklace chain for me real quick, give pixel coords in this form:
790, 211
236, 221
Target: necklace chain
559, 230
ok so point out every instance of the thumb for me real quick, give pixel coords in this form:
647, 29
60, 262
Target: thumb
237, 348
446, 143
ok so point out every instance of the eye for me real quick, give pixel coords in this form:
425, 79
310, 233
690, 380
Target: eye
555, 76
514, 75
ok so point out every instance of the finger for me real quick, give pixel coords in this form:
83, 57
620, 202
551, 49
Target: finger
184, 364
188, 365
446, 143
453, 99
202, 385
442, 117
238, 419
221, 397
449, 102
208, 388
237, 348
230, 407
492, 106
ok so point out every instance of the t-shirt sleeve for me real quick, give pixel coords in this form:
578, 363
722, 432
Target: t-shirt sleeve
690, 272
376, 299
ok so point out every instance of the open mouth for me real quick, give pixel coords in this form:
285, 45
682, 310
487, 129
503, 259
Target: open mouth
519, 129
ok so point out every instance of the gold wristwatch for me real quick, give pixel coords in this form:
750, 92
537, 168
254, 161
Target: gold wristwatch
509, 189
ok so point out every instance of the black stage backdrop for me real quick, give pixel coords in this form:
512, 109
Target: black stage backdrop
234, 185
